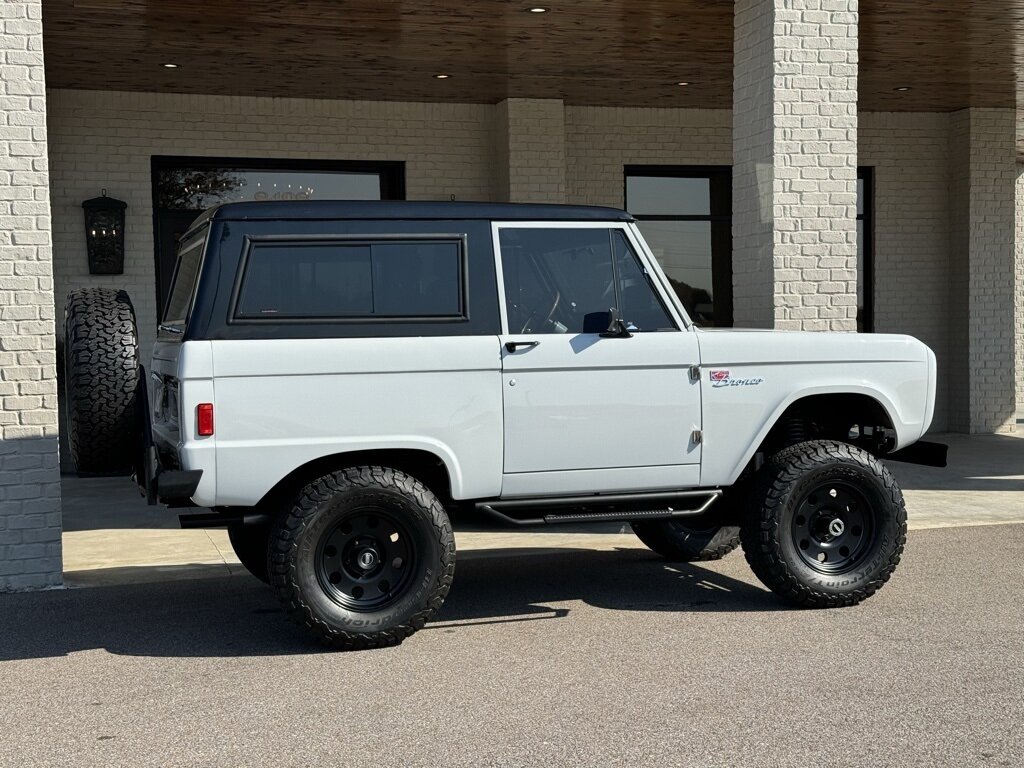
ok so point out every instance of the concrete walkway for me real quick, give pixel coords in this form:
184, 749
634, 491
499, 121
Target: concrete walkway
111, 536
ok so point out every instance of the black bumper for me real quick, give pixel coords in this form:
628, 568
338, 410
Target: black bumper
173, 487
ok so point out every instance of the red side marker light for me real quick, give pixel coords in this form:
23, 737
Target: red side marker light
204, 419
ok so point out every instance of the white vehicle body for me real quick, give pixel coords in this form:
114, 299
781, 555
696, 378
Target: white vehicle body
569, 414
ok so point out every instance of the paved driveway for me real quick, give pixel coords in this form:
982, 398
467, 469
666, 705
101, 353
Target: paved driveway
551, 657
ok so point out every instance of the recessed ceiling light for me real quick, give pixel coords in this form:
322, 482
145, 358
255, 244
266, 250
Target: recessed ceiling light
902, 88
683, 82
538, 9
170, 66
441, 76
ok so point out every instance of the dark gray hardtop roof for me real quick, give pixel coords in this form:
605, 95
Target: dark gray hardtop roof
406, 209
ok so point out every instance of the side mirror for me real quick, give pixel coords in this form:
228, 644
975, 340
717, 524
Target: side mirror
617, 328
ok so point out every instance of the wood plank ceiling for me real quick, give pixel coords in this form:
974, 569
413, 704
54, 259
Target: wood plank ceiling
950, 53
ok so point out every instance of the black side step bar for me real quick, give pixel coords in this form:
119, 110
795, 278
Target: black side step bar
611, 507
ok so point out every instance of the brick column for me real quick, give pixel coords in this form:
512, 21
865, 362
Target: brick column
30, 552
1018, 322
530, 151
795, 164
983, 181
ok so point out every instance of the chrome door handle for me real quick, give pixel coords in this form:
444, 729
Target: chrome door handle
512, 346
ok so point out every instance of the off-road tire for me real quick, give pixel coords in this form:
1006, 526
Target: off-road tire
102, 375
687, 541
250, 543
769, 535
323, 507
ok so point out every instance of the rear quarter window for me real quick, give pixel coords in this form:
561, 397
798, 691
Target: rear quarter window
183, 285
365, 279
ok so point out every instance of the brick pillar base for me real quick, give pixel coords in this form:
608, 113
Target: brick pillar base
30, 552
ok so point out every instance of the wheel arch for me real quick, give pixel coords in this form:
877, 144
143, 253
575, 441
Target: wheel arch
427, 466
859, 406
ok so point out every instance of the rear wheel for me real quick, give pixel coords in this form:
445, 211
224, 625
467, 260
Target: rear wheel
692, 539
102, 376
363, 558
826, 525
250, 543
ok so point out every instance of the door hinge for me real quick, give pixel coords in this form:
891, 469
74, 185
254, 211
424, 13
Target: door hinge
694, 373
697, 437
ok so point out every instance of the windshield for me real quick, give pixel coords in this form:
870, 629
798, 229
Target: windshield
190, 254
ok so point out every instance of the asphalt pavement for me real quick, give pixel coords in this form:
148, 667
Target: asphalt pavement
545, 656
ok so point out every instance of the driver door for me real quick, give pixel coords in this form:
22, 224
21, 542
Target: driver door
588, 410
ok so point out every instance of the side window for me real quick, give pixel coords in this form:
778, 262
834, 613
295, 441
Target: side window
567, 280
339, 280
640, 304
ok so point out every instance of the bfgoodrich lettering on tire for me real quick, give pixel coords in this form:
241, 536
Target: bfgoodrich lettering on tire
101, 348
826, 524
363, 558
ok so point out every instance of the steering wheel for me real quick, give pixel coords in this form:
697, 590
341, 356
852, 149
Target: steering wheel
547, 318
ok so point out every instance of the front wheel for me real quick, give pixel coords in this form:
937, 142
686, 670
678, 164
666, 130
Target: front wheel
363, 558
826, 524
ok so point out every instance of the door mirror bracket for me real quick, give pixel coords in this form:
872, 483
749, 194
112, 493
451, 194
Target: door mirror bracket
617, 328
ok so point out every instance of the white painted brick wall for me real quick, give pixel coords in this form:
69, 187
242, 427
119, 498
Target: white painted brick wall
30, 547
1019, 270
909, 154
795, 164
104, 139
600, 141
985, 154
530, 151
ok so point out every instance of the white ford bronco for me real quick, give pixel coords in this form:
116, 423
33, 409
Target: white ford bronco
331, 379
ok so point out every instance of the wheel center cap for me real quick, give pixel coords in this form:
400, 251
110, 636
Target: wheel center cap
367, 559
836, 527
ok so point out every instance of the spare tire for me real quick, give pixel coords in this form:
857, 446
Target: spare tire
102, 375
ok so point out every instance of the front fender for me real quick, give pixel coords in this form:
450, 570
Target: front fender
737, 419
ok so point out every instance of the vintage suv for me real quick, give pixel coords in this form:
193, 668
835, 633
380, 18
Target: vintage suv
330, 379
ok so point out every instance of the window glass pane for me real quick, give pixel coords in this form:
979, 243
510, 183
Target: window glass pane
861, 202
641, 308
199, 187
416, 279
861, 256
411, 279
189, 256
683, 248
555, 278
668, 196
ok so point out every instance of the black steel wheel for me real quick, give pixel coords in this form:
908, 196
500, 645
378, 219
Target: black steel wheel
826, 524
363, 558
366, 560
833, 526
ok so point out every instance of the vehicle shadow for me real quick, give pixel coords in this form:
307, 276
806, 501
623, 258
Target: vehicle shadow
231, 616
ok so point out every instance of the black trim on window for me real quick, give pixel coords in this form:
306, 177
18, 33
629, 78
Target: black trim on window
251, 242
866, 321
720, 216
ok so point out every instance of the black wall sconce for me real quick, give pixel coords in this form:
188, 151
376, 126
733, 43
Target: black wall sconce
104, 234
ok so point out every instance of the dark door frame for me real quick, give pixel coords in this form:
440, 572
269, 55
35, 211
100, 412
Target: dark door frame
720, 188
391, 172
